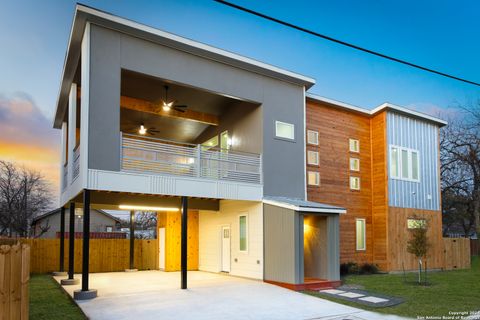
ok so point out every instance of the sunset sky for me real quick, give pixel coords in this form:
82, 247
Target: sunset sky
438, 34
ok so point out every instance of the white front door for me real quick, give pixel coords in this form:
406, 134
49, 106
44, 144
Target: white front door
161, 248
225, 249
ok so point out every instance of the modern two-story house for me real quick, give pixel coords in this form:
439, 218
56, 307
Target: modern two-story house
249, 174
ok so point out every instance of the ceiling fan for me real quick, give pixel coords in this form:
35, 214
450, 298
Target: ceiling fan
167, 105
143, 130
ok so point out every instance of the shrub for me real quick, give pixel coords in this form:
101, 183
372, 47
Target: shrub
348, 268
368, 268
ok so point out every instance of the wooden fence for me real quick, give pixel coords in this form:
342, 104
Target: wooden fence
14, 276
457, 253
106, 255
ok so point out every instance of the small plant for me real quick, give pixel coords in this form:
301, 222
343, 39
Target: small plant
368, 268
348, 268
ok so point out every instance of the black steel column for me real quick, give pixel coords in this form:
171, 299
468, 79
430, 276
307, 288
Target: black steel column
184, 242
62, 238
71, 240
132, 238
86, 238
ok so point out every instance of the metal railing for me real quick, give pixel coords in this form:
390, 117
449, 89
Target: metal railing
158, 156
76, 162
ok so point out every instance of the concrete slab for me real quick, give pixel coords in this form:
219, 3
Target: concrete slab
373, 299
332, 291
156, 295
351, 295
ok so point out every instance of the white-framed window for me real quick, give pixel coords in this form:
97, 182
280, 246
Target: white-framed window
416, 223
360, 228
354, 145
313, 178
404, 163
109, 229
312, 158
243, 232
284, 130
355, 183
312, 137
354, 164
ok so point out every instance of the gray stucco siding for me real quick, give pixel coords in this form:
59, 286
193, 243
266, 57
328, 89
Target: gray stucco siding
111, 51
419, 135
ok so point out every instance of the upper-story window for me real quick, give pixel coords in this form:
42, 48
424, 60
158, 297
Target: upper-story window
354, 164
312, 137
313, 178
404, 164
355, 183
312, 158
354, 145
284, 130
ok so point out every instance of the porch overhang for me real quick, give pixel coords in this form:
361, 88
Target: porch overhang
303, 205
85, 14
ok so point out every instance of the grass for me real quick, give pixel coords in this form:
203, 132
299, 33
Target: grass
48, 301
457, 290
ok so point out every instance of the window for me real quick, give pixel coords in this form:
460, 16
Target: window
360, 232
312, 137
312, 158
284, 130
355, 183
354, 164
210, 143
404, 164
313, 178
416, 223
243, 231
354, 145
109, 229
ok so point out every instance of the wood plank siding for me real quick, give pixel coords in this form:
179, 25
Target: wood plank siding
335, 127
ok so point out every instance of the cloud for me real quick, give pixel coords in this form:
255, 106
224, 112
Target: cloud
27, 137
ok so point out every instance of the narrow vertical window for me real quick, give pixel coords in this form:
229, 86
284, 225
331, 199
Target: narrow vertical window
355, 183
405, 164
360, 232
312, 137
354, 164
354, 145
243, 233
313, 178
394, 162
415, 165
312, 158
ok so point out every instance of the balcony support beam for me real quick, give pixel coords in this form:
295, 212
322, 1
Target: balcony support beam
184, 239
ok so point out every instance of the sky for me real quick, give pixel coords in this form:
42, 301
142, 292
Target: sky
438, 34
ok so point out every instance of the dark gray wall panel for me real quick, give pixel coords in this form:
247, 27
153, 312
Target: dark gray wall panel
104, 100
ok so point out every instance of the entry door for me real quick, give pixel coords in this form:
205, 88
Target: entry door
161, 248
225, 249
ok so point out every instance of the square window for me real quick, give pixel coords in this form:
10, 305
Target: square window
312, 137
360, 234
354, 164
284, 130
243, 232
313, 178
355, 183
312, 158
354, 145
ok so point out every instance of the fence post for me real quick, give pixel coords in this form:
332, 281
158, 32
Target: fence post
25, 277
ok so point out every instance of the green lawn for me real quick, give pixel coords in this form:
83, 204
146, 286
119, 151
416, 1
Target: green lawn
457, 290
48, 301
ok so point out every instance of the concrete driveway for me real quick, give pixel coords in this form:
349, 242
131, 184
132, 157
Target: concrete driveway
156, 295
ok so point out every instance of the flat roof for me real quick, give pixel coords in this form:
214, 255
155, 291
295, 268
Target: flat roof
84, 14
380, 108
303, 205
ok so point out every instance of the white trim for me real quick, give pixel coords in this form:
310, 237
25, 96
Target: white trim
364, 234
316, 134
359, 182
243, 214
400, 163
382, 107
288, 124
350, 140
354, 159
304, 209
317, 163
317, 178
85, 105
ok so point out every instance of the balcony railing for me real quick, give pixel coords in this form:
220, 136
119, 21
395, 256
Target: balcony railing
76, 162
157, 156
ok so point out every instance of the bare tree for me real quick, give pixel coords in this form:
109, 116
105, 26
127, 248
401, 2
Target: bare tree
24, 194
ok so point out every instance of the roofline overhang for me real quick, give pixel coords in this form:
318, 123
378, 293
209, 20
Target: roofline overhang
304, 209
84, 14
383, 107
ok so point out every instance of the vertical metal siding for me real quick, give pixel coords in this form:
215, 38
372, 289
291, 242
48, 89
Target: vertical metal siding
422, 136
